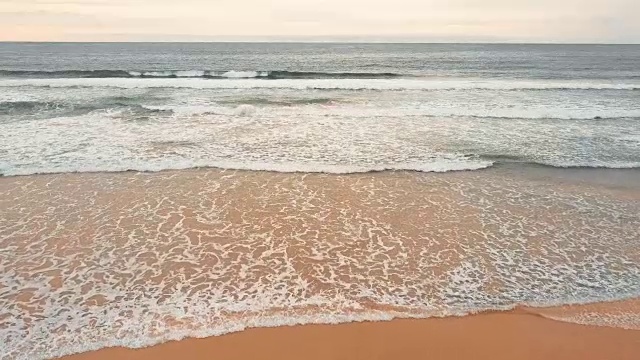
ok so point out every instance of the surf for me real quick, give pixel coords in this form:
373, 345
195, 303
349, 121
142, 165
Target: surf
326, 84
205, 74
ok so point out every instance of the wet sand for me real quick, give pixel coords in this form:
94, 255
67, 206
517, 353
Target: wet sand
512, 335
101, 260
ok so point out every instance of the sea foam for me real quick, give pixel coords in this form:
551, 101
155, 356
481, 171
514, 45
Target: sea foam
347, 84
163, 256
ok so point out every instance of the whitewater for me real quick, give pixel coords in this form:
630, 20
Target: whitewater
135, 259
152, 192
313, 125
316, 108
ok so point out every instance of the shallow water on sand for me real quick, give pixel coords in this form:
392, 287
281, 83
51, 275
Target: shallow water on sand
132, 259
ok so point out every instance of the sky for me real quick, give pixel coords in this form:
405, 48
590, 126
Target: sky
555, 21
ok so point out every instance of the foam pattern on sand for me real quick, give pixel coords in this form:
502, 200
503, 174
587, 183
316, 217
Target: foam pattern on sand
130, 259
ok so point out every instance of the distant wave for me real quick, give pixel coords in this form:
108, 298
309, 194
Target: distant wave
278, 102
19, 107
205, 74
340, 107
283, 106
65, 74
51, 109
327, 83
14, 111
323, 75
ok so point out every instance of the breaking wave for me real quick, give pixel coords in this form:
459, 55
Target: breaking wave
207, 74
19, 107
436, 166
237, 82
59, 108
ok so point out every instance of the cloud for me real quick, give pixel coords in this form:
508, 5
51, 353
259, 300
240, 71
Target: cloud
65, 2
459, 20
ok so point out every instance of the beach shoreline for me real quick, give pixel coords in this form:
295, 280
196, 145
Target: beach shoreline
515, 334
137, 259
319, 201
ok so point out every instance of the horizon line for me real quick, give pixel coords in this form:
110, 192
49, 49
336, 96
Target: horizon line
257, 41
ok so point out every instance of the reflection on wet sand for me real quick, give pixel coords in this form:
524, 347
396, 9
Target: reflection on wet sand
132, 259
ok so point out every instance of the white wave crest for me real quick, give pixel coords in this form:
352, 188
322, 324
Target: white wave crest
244, 74
245, 110
165, 74
199, 74
437, 165
246, 80
593, 164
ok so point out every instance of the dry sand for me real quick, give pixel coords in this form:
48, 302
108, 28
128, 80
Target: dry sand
514, 335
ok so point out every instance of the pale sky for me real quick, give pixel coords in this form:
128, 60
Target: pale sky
616, 21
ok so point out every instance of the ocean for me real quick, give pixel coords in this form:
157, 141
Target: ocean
156, 191
316, 107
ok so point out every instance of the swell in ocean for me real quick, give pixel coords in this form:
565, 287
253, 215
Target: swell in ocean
345, 82
234, 106
205, 74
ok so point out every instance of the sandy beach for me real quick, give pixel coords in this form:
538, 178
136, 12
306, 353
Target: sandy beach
518, 334
135, 260
322, 200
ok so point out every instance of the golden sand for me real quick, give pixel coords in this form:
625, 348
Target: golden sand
514, 335
134, 259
